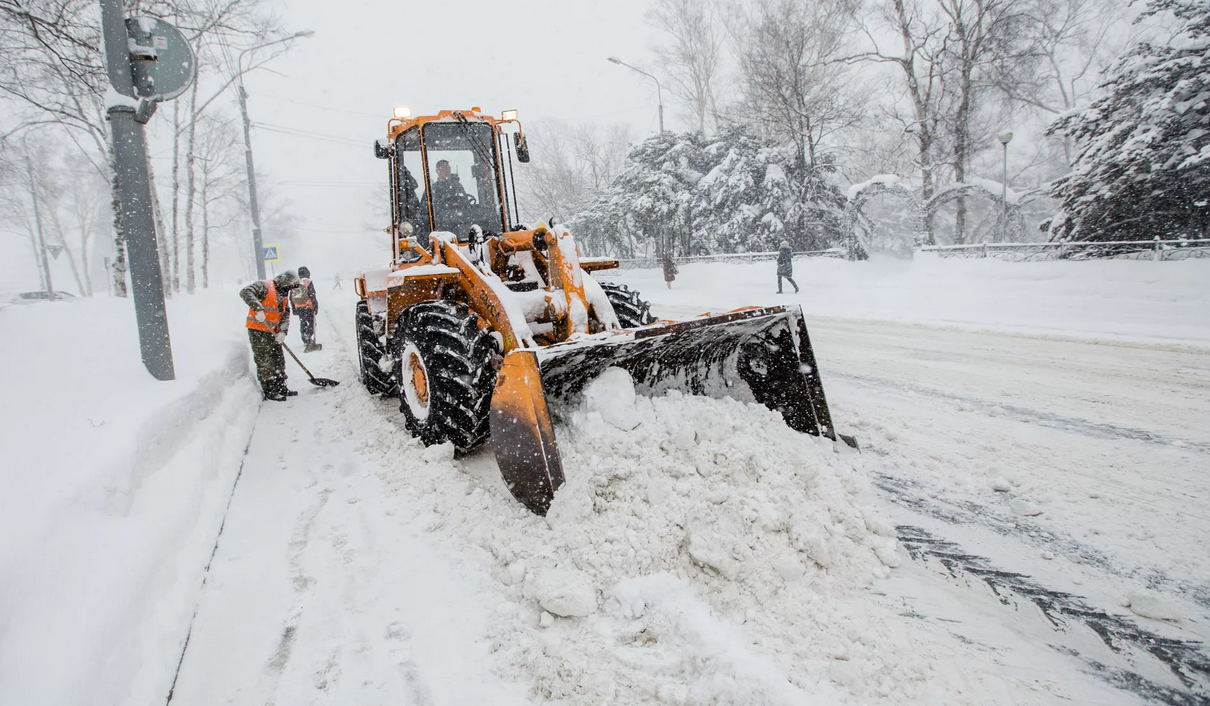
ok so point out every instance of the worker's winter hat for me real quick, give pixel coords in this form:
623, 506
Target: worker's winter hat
785, 243
304, 272
286, 280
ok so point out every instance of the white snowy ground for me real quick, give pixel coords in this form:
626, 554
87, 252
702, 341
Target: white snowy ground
112, 487
707, 555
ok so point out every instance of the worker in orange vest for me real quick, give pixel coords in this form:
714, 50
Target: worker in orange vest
306, 307
268, 322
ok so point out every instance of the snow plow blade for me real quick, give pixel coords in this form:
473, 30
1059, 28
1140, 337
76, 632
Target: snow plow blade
759, 355
522, 434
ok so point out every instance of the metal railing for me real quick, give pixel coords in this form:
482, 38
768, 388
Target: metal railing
638, 263
1156, 249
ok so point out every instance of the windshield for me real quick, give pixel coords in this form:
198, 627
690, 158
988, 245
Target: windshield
410, 180
462, 177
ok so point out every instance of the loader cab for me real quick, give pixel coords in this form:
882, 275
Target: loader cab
446, 178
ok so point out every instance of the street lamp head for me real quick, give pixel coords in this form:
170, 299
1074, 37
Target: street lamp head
1005, 138
614, 60
305, 33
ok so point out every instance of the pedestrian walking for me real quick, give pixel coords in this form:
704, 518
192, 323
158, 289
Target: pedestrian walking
670, 271
268, 322
306, 307
785, 266
337, 285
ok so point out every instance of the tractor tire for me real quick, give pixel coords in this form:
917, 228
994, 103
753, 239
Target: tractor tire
370, 353
631, 310
446, 371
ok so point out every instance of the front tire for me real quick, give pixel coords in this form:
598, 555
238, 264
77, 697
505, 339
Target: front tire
371, 353
631, 310
446, 371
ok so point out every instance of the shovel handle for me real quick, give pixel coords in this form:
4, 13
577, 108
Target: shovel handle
296, 360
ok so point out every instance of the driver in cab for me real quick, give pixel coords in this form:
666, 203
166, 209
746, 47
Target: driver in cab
447, 190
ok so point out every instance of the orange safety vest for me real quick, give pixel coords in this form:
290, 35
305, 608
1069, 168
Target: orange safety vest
273, 307
301, 297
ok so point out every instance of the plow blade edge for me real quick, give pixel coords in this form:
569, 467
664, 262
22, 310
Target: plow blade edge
759, 355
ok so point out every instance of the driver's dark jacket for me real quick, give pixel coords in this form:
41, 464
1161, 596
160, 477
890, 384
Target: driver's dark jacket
447, 194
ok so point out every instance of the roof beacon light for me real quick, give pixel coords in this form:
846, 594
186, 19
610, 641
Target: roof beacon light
402, 112
508, 115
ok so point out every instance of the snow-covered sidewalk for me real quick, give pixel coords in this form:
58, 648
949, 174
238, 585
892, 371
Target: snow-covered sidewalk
112, 486
318, 593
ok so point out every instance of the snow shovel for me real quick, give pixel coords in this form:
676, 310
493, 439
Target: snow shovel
318, 382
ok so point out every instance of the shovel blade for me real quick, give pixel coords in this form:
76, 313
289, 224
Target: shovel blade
324, 382
523, 436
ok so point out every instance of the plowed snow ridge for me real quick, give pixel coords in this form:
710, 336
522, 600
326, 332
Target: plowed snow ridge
714, 556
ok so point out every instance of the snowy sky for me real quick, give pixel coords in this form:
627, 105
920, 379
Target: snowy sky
548, 60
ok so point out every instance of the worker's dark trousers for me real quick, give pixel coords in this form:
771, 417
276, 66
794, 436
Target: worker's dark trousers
788, 277
270, 361
306, 320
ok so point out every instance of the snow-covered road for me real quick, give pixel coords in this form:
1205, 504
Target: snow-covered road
1035, 482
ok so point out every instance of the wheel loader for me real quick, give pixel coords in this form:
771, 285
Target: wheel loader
480, 323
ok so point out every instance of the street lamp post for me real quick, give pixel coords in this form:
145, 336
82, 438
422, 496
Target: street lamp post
1004, 140
659, 91
253, 207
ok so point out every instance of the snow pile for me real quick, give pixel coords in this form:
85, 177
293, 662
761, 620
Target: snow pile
708, 553
111, 492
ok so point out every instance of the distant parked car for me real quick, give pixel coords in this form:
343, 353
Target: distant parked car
31, 297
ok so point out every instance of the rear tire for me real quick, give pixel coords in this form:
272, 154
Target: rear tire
371, 352
446, 370
631, 310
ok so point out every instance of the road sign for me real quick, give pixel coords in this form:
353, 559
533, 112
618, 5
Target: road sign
54, 249
269, 253
162, 62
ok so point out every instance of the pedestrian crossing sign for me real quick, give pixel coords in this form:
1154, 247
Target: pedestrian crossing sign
269, 253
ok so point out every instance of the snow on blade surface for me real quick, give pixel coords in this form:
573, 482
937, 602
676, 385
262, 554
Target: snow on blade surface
612, 396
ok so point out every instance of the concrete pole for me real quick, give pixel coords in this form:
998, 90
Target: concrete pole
134, 190
257, 243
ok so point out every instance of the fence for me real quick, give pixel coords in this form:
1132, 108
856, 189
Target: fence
1127, 249
637, 263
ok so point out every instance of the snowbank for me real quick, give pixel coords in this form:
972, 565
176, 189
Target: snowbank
1123, 299
111, 492
705, 552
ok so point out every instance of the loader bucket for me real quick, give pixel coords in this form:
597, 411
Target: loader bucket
760, 355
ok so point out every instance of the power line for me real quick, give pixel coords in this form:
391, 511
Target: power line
296, 132
322, 107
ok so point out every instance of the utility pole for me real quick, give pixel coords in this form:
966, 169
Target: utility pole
659, 91
253, 207
257, 242
134, 189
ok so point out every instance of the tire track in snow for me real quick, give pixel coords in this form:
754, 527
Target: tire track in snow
1098, 430
1186, 660
955, 511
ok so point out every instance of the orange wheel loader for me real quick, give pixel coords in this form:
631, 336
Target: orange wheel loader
479, 321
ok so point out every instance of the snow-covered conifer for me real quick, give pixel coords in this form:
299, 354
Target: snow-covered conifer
1143, 166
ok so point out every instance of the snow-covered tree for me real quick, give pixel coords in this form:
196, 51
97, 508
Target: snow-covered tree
1143, 165
688, 195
